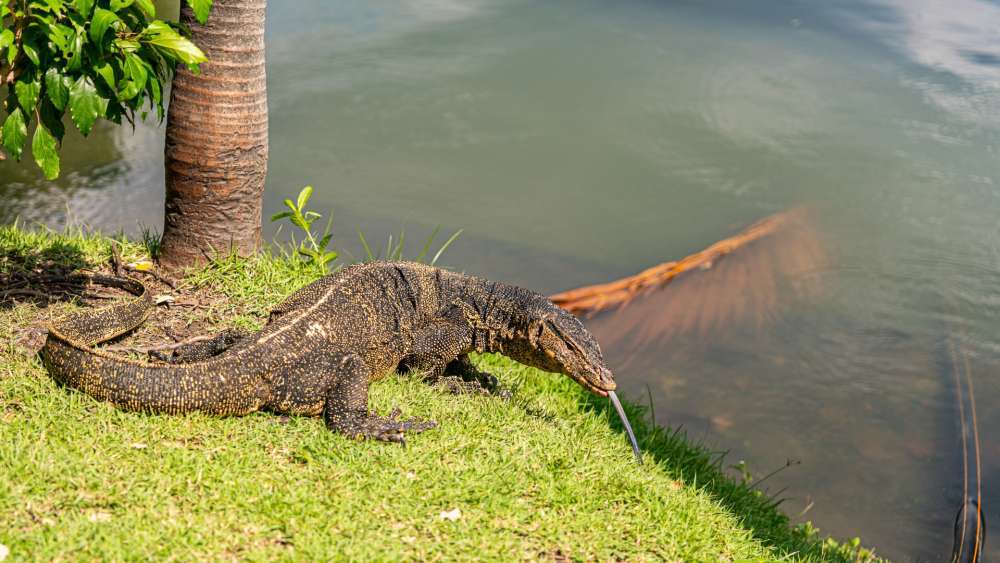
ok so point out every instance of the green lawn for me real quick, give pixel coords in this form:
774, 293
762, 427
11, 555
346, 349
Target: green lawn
545, 475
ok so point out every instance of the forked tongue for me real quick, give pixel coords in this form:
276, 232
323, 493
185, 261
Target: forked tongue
628, 427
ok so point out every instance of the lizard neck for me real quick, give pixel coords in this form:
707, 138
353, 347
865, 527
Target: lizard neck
501, 316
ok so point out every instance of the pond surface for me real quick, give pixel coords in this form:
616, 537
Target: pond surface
577, 141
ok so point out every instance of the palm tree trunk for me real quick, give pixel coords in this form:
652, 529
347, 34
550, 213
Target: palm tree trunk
216, 150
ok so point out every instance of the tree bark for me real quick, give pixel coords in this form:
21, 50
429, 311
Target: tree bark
216, 149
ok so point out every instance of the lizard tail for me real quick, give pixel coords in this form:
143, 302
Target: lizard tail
215, 387
91, 327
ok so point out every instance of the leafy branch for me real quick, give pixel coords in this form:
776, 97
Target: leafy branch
91, 58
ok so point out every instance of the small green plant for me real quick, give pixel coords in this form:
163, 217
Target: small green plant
312, 249
151, 240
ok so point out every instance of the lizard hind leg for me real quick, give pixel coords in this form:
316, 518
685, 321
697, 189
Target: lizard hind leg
346, 407
225, 341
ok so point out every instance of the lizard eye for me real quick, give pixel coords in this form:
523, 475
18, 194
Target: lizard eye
563, 337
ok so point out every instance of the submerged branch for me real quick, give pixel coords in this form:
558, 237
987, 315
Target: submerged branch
593, 298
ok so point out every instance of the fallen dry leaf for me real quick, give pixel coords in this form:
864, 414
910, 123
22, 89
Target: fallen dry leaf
99, 516
452, 515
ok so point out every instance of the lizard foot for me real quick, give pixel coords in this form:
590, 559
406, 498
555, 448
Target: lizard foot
462, 377
480, 384
457, 385
389, 428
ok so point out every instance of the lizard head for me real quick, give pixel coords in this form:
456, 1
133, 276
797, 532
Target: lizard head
558, 342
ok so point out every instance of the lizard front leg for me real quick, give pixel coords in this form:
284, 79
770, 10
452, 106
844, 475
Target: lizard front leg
439, 354
346, 407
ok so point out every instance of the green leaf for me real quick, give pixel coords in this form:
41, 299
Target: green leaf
304, 196
52, 119
15, 133
11, 54
84, 7
55, 6
59, 35
280, 216
74, 58
166, 38
201, 8
103, 19
289, 204
135, 78
27, 93
156, 93
31, 52
127, 45
107, 74
85, 106
147, 7
114, 112
119, 5
57, 88
6, 38
129, 89
45, 150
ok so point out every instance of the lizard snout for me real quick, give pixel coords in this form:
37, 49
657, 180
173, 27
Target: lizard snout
607, 380
601, 381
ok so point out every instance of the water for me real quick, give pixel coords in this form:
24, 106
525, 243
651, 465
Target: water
578, 141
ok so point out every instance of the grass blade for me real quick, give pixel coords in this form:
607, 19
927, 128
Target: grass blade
444, 246
364, 243
427, 245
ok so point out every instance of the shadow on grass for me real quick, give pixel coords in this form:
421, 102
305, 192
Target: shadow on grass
41, 275
701, 468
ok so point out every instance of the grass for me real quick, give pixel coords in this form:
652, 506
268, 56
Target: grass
545, 475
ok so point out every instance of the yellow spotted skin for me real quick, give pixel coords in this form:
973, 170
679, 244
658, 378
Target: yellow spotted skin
323, 346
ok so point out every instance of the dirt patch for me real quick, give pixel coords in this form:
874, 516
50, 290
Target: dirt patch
185, 312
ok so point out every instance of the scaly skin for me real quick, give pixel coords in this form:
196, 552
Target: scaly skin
325, 344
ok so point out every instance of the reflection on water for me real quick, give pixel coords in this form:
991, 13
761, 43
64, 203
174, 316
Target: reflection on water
112, 181
958, 37
579, 141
